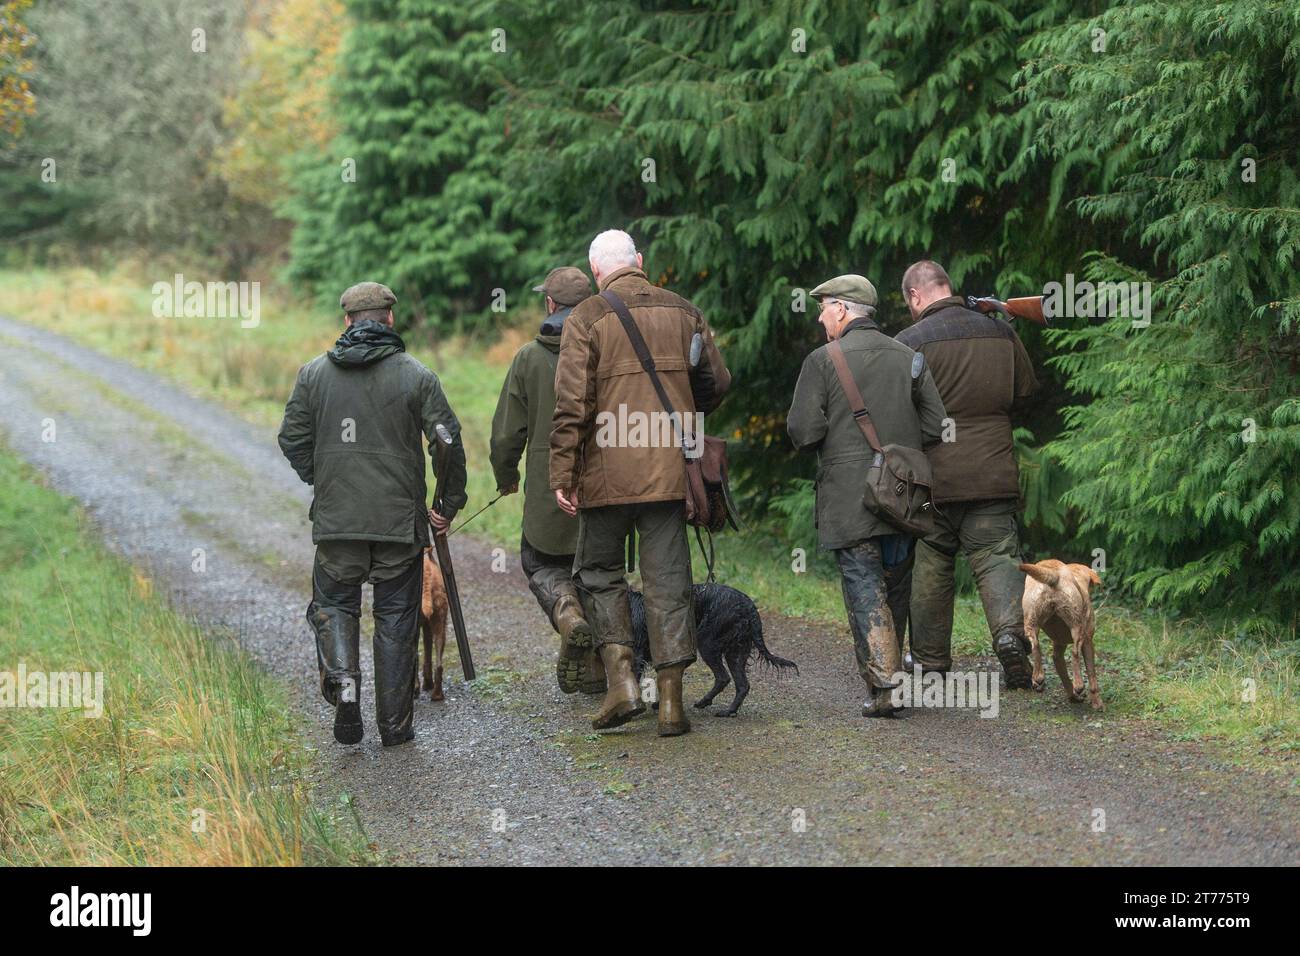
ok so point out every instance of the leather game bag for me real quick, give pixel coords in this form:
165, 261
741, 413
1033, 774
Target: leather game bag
899, 479
708, 495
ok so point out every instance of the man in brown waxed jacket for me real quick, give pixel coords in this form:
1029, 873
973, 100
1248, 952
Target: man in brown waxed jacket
982, 371
616, 464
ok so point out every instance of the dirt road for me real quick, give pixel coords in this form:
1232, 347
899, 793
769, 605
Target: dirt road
508, 771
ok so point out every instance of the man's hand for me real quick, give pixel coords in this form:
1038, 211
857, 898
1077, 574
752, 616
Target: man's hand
567, 499
509, 489
440, 524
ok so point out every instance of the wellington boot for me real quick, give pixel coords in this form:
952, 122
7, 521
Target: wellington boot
623, 699
672, 718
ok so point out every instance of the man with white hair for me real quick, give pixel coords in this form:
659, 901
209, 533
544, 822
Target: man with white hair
624, 479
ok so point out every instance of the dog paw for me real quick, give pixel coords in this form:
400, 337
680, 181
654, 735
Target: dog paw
725, 713
437, 694
701, 704
1097, 704
1039, 685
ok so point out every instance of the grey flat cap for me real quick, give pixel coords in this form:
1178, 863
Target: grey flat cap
849, 288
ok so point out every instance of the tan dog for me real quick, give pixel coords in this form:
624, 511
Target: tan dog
1057, 600
433, 625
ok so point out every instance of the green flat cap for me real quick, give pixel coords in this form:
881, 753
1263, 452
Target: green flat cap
366, 295
566, 285
850, 288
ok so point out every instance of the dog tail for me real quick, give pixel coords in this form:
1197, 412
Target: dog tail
1048, 576
767, 657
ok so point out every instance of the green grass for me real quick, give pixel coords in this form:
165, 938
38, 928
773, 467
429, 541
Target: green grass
1186, 674
195, 759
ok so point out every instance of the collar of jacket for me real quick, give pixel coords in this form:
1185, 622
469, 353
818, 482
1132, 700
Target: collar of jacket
861, 322
553, 324
945, 303
618, 274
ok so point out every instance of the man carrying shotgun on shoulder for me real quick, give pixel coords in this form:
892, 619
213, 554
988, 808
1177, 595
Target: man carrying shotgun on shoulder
352, 431
983, 372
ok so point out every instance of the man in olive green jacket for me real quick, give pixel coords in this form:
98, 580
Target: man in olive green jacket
983, 372
523, 422
352, 430
625, 470
905, 408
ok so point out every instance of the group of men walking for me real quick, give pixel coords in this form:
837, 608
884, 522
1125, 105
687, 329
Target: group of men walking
352, 429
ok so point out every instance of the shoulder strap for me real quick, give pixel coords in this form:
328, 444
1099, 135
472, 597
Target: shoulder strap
853, 395
647, 361
638, 345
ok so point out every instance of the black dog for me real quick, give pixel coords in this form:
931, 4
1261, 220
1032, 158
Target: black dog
726, 625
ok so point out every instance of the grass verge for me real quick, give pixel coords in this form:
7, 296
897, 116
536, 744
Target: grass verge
195, 759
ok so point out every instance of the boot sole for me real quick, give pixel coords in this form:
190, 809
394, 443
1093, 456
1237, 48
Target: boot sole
1015, 664
571, 665
619, 718
348, 728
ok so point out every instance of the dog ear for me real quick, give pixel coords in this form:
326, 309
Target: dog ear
1085, 574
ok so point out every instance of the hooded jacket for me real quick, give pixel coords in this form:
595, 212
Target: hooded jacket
523, 421
352, 430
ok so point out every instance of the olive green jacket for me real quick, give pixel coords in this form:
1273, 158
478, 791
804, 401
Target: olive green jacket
352, 431
905, 408
522, 426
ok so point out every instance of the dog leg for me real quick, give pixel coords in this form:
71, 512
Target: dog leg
710, 656
1076, 666
1094, 689
737, 659
1039, 679
1062, 669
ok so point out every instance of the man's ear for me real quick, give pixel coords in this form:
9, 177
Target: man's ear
390, 318
550, 305
639, 263
347, 321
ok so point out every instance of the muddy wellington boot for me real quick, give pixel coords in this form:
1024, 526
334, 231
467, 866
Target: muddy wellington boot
593, 674
672, 718
1012, 650
623, 699
338, 655
575, 643
880, 703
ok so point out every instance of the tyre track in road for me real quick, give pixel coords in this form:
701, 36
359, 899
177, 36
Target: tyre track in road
162, 472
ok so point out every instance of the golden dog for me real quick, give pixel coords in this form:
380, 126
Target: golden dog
433, 625
1057, 600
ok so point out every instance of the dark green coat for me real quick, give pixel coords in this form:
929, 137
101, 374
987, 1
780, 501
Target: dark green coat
904, 406
352, 430
522, 424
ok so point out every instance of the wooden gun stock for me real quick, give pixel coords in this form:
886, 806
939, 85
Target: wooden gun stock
1029, 307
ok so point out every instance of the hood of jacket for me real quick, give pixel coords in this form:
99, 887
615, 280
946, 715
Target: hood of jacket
552, 327
365, 343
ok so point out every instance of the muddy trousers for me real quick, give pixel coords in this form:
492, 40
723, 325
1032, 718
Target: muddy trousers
397, 573
665, 556
986, 533
875, 596
550, 576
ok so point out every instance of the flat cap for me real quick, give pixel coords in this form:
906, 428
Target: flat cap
366, 295
850, 288
566, 285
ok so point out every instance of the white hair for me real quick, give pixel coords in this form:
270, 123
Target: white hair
856, 309
612, 249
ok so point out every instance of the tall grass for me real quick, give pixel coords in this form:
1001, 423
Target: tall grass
195, 760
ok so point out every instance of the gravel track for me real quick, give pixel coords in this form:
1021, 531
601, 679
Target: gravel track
162, 473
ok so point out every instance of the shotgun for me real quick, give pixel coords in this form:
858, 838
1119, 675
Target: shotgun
1029, 308
444, 558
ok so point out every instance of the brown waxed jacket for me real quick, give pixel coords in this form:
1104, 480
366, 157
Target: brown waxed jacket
981, 368
596, 447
